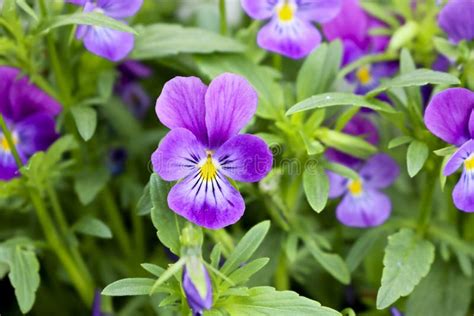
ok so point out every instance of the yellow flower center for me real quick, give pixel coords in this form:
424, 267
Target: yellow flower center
469, 163
286, 12
4, 145
208, 169
355, 187
363, 75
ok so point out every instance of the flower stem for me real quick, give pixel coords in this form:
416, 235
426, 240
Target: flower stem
426, 204
223, 17
118, 227
11, 144
282, 280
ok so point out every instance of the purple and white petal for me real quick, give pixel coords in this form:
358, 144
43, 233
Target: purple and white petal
458, 158
321, 11
245, 158
119, 9
35, 133
108, 43
379, 171
177, 155
463, 193
337, 184
457, 20
370, 208
182, 104
8, 167
295, 39
230, 104
211, 204
259, 9
447, 115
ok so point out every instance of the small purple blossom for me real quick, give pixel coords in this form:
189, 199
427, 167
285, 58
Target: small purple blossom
352, 26
198, 294
204, 148
362, 204
136, 99
108, 43
29, 113
457, 20
290, 31
450, 117
395, 311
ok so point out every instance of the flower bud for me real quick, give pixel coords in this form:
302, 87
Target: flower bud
197, 286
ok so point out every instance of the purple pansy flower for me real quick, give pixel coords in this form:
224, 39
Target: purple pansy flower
199, 297
129, 88
361, 126
290, 31
352, 26
457, 20
450, 117
108, 43
29, 113
363, 205
204, 148
395, 311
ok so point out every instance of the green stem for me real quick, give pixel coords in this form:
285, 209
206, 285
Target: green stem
11, 144
223, 17
426, 204
115, 219
282, 279
277, 62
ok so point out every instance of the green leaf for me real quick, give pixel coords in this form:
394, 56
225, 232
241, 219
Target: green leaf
24, 277
85, 18
242, 275
166, 275
362, 247
342, 170
316, 187
153, 269
162, 40
93, 227
407, 260
404, 35
325, 62
417, 154
446, 151
446, 48
246, 247
86, 121
379, 11
267, 301
407, 65
352, 145
313, 147
444, 291
418, 77
144, 204
398, 141
129, 287
339, 98
28, 10
89, 183
332, 263
165, 220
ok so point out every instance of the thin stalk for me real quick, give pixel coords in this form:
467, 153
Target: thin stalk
426, 204
223, 17
282, 279
11, 144
115, 219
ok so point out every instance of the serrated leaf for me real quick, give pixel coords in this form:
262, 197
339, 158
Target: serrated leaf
93, 227
129, 287
337, 99
86, 121
407, 260
417, 154
316, 188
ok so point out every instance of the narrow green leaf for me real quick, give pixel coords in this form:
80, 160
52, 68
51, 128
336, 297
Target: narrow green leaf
407, 260
316, 187
153, 269
28, 10
165, 276
129, 287
242, 275
362, 247
144, 204
399, 141
313, 147
93, 227
352, 145
417, 154
86, 121
446, 151
404, 35
446, 48
341, 170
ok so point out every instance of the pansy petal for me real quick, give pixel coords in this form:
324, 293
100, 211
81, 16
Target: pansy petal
457, 20
319, 10
181, 104
8, 167
458, 158
8, 75
463, 193
177, 155
230, 104
294, 39
259, 9
337, 184
77, 2
211, 204
136, 99
107, 43
447, 115
119, 9
36, 133
245, 158
369, 209
379, 171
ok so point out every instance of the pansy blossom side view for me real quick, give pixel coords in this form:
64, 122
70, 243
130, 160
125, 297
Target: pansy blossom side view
203, 148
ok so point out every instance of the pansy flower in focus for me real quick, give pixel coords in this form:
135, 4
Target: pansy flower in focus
128, 86
352, 26
363, 204
204, 148
290, 31
29, 114
457, 20
105, 42
450, 117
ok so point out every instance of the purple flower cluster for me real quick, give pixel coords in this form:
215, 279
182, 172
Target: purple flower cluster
352, 26
204, 148
450, 116
108, 43
290, 31
29, 114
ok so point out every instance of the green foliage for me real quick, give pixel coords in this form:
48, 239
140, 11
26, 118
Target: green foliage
93, 227
416, 157
316, 188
